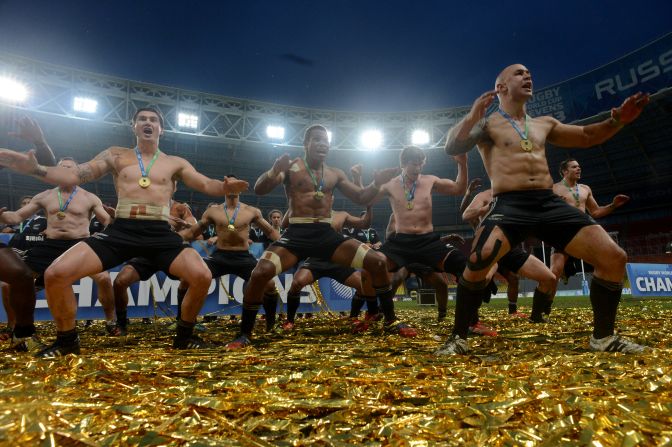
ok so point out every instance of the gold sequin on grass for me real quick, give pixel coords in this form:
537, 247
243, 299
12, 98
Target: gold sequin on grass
533, 385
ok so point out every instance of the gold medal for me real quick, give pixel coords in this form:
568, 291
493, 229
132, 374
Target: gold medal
526, 145
144, 182
60, 215
409, 205
319, 195
231, 227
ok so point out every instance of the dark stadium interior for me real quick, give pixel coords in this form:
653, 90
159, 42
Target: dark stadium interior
636, 162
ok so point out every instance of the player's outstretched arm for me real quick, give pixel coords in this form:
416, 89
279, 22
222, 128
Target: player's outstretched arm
26, 163
459, 185
274, 176
195, 180
567, 135
30, 131
468, 132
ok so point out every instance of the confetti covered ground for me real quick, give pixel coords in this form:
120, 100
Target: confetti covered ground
532, 385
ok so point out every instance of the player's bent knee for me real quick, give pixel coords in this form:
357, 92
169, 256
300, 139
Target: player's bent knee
56, 275
273, 259
264, 271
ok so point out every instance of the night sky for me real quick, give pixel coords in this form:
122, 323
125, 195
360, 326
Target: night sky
343, 55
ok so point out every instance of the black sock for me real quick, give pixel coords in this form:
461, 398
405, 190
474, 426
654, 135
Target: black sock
372, 305
548, 305
493, 289
468, 299
513, 307
293, 303
185, 329
180, 297
385, 295
270, 307
604, 298
24, 331
122, 318
474, 318
356, 305
539, 304
67, 338
248, 319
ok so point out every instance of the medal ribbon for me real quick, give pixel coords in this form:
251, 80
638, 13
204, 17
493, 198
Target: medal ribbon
313, 178
142, 165
523, 136
574, 194
410, 194
62, 207
235, 213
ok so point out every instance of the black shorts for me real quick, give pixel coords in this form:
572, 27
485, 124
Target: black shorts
539, 213
404, 249
231, 262
513, 260
573, 266
323, 268
455, 263
130, 238
40, 257
146, 269
312, 239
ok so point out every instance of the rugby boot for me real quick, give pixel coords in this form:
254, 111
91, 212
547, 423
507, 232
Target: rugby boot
616, 343
59, 349
399, 328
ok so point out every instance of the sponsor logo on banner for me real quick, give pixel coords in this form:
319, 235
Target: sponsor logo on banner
547, 102
634, 76
648, 69
650, 279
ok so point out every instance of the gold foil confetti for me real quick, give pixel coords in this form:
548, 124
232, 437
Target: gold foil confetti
534, 385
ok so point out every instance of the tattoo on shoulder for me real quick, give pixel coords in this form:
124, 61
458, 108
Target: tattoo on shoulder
85, 172
483, 130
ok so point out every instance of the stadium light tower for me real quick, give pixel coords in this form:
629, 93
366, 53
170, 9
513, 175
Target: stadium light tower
420, 137
86, 105
187, 120
12, 90
275, 132
372, 139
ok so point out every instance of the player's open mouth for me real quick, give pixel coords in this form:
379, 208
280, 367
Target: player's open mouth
147, 130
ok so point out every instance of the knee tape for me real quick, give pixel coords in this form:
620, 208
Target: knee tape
358, 259
275, 259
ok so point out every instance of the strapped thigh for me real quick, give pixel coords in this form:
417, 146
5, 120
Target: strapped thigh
360, 254
481, 263
273, 258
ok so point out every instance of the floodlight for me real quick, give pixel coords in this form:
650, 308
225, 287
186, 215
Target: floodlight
372, 139
419, 137
275, 132
329, 136
12, 90
86, 105
187, 120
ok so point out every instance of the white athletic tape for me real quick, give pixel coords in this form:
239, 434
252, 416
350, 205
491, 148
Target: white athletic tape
360, 254
275, 259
